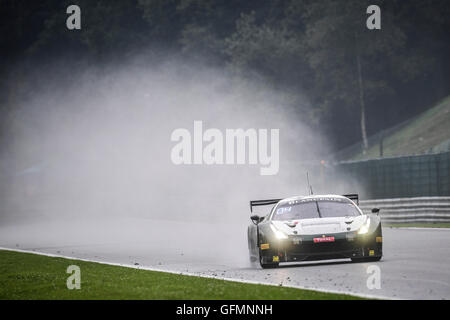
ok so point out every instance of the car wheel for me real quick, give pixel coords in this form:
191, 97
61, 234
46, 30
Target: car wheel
368, 259
267, 265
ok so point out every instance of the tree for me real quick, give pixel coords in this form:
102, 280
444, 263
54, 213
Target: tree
353, 64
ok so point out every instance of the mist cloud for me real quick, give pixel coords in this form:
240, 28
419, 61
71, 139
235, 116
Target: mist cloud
98, 148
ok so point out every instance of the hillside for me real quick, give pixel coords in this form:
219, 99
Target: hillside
428, 132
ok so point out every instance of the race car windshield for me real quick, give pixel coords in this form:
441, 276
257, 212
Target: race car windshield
311, 209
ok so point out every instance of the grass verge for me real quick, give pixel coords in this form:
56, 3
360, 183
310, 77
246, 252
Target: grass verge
427, 132
418, 225
32, 276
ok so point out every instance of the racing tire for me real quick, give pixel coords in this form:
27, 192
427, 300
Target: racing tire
267, 265
368, 259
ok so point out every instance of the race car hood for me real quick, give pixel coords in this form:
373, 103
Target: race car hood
320, 225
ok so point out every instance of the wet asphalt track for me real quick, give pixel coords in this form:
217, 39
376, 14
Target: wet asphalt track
416, 262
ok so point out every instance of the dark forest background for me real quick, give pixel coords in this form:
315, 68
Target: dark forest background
308, 48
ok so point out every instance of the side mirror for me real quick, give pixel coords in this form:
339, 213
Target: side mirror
256, 219
375, 210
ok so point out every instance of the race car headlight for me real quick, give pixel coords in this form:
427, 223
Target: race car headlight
365, 227
278, 234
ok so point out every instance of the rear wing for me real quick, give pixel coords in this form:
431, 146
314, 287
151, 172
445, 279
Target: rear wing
353, 196
256, 203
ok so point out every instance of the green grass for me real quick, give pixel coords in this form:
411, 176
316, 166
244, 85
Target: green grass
418, 225
31, 276
426, 132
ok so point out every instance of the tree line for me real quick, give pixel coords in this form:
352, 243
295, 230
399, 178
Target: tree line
357, 81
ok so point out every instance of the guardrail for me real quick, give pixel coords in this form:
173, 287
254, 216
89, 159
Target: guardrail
410, 210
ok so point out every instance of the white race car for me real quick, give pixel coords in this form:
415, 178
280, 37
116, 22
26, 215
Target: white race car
314, 227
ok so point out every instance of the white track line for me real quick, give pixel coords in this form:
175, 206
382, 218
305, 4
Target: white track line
362, 295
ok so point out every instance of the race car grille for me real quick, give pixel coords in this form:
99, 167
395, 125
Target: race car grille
309, 247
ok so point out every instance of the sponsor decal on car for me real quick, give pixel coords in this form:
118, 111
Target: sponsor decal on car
264, 246
323, 239
379, 239
276, 259
371, 253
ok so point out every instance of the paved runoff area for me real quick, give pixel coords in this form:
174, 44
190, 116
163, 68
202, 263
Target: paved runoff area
415, 263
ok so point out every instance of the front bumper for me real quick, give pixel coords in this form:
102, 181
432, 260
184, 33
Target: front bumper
304, 248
